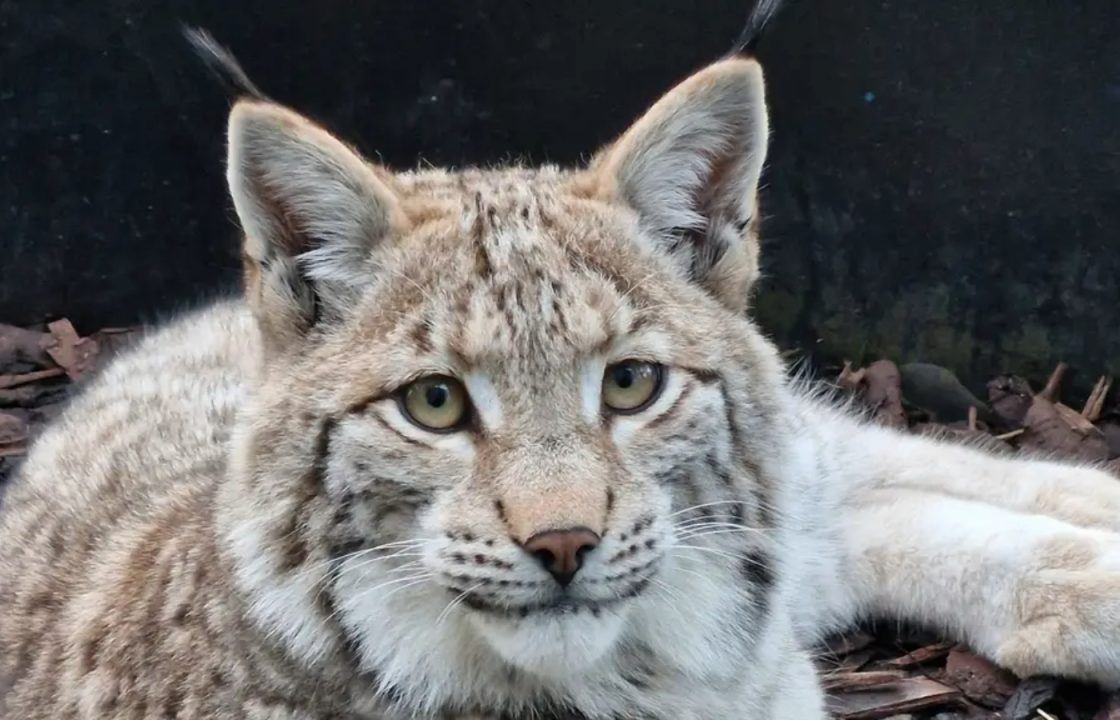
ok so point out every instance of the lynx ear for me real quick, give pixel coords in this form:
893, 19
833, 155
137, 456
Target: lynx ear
690, 168
312, 211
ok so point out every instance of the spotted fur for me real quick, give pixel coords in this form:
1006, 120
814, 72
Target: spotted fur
236, 520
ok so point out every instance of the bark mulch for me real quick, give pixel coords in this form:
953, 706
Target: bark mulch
878, 671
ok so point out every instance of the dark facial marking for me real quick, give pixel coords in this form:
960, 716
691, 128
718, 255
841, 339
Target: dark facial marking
310, 488
671, 413
758, 572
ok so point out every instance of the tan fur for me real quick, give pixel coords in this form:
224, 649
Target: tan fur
122, 595
238, 519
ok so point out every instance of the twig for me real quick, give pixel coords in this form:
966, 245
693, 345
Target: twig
972, 415
1012, 434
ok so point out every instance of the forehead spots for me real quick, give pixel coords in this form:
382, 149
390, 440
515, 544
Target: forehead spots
520, 274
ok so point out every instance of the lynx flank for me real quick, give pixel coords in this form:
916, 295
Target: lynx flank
504, 443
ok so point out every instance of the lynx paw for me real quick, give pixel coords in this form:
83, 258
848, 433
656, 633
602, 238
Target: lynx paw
1068, 613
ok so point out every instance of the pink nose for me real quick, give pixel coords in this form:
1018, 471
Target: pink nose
561, 552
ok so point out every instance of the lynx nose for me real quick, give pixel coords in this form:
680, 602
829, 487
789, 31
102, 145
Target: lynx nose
561, 552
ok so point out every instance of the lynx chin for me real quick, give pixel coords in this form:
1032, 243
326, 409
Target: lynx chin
505, 443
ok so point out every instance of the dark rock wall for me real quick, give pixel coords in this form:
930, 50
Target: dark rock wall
944, 182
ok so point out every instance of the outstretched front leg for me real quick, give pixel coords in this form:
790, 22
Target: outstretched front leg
1019, 558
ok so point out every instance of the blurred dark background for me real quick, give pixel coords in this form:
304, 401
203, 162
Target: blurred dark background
944, 182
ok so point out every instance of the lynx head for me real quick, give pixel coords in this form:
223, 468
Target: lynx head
508, 419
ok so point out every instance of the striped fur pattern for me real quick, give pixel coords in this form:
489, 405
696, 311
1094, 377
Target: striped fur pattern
237, 519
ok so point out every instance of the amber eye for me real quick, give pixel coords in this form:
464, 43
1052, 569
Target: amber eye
632, 385
436, 403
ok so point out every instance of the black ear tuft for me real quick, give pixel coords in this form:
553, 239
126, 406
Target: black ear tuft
222, 64
761, 14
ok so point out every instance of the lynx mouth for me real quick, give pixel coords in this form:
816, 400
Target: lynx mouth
561, 604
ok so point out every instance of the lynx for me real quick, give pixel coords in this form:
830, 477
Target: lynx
505, 443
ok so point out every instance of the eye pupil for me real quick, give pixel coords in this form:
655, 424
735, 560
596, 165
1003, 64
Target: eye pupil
624, 376
437, 395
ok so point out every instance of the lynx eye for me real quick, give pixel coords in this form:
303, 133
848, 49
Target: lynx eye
436, 403
632, 385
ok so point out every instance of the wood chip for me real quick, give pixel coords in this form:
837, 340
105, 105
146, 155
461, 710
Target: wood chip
841, 682
980, 680
1110, 428
1029, 696
1010, 397
8, 381
21, 349
1094, 405
1050, 428
903, 696
921, 655
849, 379
13, 429
72, 353
1054, 384
840, 645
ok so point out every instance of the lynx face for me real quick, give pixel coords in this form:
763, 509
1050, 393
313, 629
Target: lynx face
507, 413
